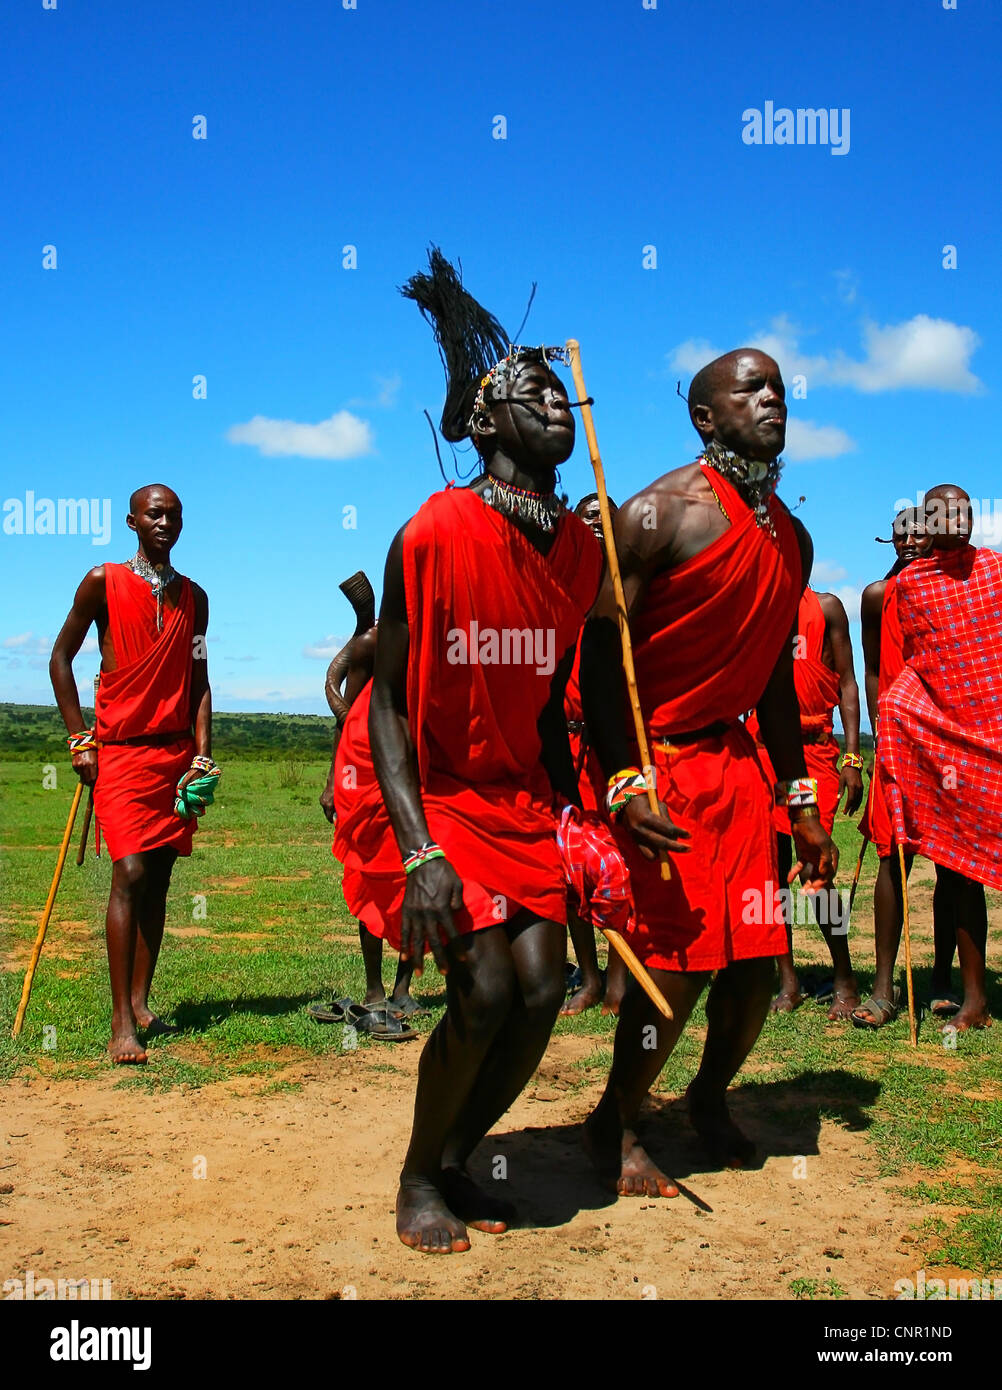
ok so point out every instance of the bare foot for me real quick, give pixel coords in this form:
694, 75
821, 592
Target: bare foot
970, 1016
425, 1223
585, 998
785, 1003
125, 1049
614, 991
712, 1122
473, 1205
844, 1000
406, 1006
624, 1167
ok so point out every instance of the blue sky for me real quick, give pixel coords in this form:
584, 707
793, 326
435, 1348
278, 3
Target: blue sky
373, 127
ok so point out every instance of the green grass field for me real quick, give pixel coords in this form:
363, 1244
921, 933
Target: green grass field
257, 928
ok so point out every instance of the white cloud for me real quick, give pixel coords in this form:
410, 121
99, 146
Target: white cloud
268, 688
342, 436
805, 440
825, 574
326, 649
386, 398
28, 644
851, 598
920, 353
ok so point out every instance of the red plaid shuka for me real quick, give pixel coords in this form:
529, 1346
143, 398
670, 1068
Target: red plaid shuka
595, 870
940, 746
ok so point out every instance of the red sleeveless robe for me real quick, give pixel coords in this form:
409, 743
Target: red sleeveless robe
148, 693
486, 797
875, 822
940, 744
818, 689
704, 646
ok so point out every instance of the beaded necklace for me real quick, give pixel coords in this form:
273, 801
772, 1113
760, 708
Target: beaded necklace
540, 509
755, 480
158, 577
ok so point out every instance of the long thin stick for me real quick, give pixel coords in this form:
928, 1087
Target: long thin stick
40, 938
908, 948
81, 852
639, 972
866, 839
574, 352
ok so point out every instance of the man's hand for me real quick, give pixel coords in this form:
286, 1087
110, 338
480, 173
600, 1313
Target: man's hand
817, 855
433, 893
850, 785
327, 798
85, 766
653, 833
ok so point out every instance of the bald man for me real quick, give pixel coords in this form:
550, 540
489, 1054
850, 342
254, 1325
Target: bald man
149, 757
940, 746
713, 567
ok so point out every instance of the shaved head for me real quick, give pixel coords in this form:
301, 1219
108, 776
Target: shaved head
948, 516
739, 402
138, 498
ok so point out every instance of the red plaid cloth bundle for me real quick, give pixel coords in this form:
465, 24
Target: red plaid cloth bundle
595, 870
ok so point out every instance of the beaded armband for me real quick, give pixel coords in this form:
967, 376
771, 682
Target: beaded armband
801, 791
852, 760
206, 765
623, 787
82, 742
422, 855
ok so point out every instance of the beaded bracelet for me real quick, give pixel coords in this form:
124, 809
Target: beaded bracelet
852, 760
83, 742
429, 850
202, 763
801, 791
628, 786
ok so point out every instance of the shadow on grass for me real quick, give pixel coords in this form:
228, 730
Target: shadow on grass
198, 1016
552, 1179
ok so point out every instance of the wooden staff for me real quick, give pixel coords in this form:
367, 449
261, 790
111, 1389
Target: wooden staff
913, 1030
574, 353
40, 938
639, 971
866, 839
81, 852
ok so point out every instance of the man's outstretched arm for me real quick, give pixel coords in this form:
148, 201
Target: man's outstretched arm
88, 602
434, 890
603, 684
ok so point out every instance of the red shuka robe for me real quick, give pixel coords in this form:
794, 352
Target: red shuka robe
591, 782
875, 822
470, 573
818, 689
940, 744
148, 693
704, 646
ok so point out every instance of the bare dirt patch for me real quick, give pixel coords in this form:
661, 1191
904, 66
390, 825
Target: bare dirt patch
300, 1173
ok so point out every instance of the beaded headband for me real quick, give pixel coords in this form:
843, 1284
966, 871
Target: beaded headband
503, 370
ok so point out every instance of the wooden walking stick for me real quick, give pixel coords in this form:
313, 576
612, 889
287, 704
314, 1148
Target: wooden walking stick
81, 852
908, 948
40, 938
639, 971
866, 840
574, 353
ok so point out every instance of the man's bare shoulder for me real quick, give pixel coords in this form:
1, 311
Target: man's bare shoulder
94, 584
198, 593
872, 600
661, 500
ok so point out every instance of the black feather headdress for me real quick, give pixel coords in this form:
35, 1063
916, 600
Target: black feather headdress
470, 340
